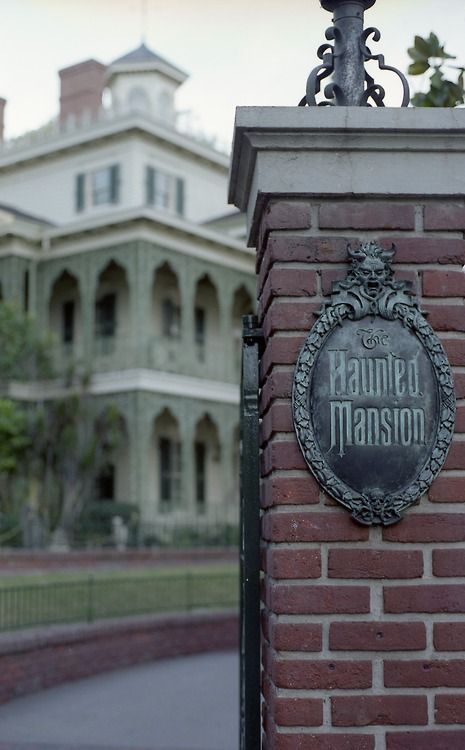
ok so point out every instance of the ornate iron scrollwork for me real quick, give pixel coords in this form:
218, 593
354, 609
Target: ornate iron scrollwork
345, 60
373, 404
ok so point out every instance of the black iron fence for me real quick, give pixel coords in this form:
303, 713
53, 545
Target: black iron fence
93, 598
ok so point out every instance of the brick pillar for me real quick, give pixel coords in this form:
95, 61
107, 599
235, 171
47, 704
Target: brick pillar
363, 628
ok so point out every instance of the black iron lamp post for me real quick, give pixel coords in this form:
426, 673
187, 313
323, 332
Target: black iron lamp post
351, 84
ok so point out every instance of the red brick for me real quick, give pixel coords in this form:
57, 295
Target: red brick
284, 249
432, 740
426, 598
282, 455
450, 709
304, 674
445, 216
446, 317
277, 419
443, 283
295, 636
280, 350
287, 282
364, 215
290, 491
455, 350
377, 636
308, 249
298, 712
290, 316
329, 276
428, 527
456, 457
447, 489
361, 563
459, 383
449, 562
287, 215
372, 710
324, 742
312, 527
427, 250
293, 563
460, 420
315, 599
449, 636
282, 215
426, 674
277, 385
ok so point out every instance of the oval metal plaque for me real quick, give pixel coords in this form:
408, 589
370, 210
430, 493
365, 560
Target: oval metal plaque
373, 395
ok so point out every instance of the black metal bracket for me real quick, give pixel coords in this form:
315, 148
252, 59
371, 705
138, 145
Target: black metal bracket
250, 667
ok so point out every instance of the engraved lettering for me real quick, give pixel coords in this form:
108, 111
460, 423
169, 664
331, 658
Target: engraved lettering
337, 372
341, 425
399, 371
386, 438
373, 426
372, 376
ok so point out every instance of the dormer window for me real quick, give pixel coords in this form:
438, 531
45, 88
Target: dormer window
164, 191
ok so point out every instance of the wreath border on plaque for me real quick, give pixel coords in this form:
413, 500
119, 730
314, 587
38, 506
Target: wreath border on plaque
353, 299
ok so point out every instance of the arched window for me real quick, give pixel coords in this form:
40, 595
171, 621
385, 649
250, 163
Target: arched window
111, 307
206, 319
208, 479
138, 100
65, 310
168, 461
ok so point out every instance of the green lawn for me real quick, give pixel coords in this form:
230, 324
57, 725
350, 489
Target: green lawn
77, 596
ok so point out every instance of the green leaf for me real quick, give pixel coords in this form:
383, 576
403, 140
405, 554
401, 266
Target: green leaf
416, 54
418, 68
445, 55
434, 45
423, 47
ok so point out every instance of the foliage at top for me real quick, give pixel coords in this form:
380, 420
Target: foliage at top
429, 55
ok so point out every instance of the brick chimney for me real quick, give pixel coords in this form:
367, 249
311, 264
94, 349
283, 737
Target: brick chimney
81, 90
2, 117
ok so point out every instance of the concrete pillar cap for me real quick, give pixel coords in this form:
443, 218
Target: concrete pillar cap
331, 5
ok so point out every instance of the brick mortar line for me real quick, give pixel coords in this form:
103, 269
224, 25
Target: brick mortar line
339, 265
428, 564
430, 708
353, 692
439, 582
427, 508
300, 332
402, 617
438, 301
419, 218
369, 730
349, 233
402, 546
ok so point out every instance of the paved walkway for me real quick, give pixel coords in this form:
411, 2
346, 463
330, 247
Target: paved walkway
190, 703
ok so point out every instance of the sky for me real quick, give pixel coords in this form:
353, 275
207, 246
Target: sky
237, 52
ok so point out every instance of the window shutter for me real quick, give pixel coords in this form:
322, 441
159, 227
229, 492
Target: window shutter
149, 185
79, 192
114, 183
180, 196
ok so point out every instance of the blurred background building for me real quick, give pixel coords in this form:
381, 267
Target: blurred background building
116, 236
